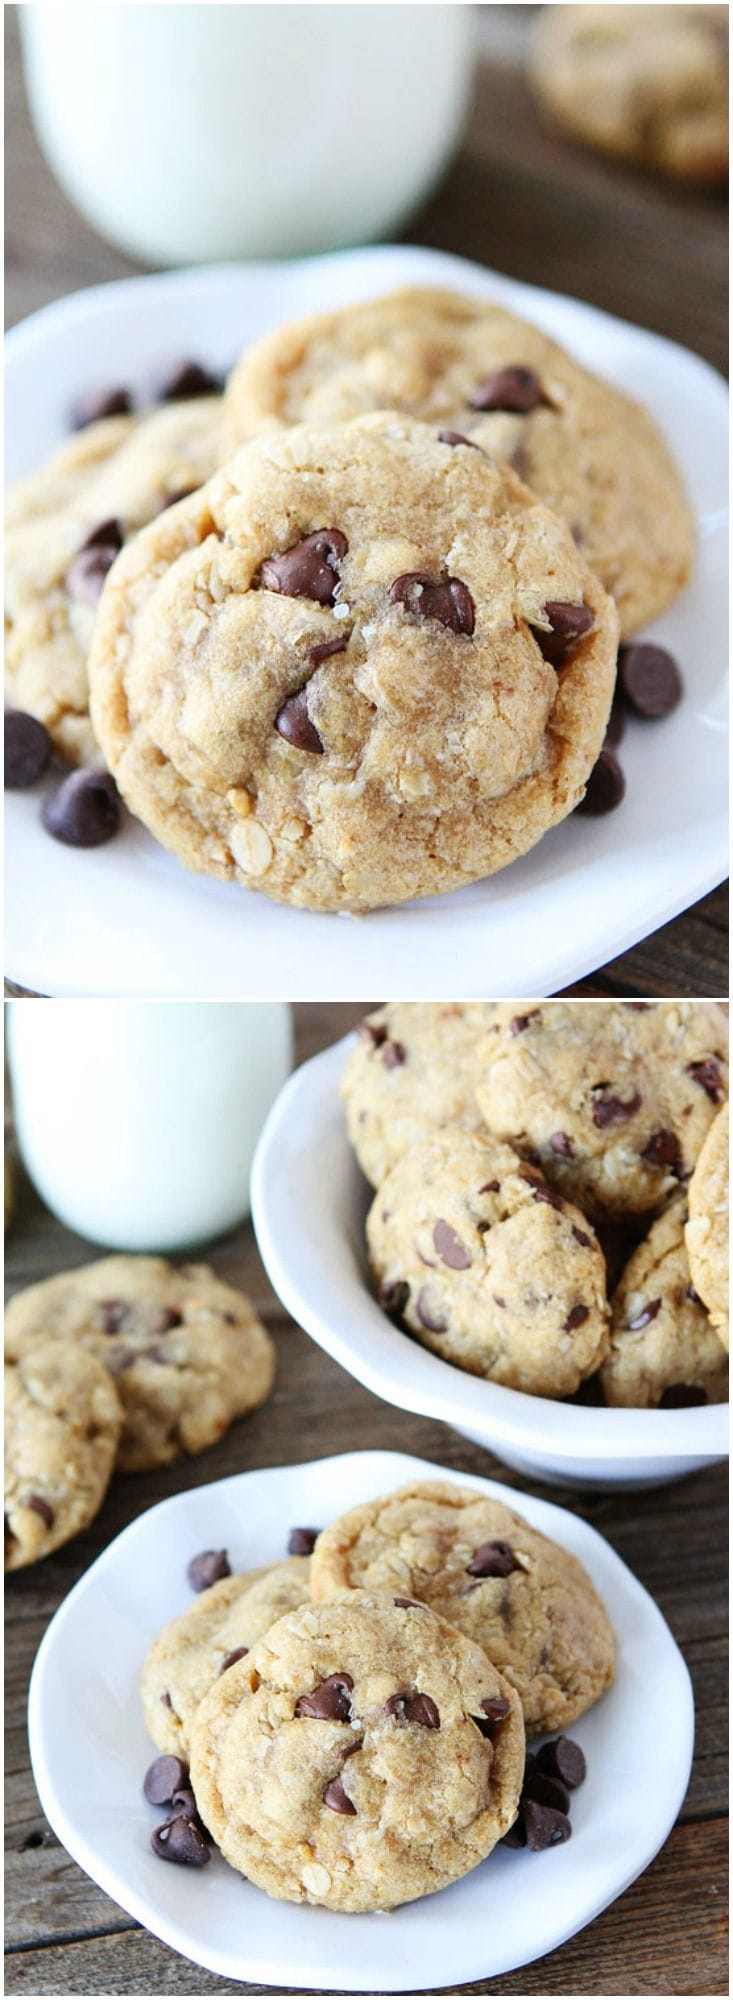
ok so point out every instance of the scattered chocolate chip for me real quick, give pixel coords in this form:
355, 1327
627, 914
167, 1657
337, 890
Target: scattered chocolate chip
426, 1317
425, 596
208, 1568
393, 1298
87, 570
99, 403
28, 750
516, 1836
418, 1708
569, 623
330, 1701
495, 1710
645, 1317
663, 1151
492, 1559
408, 1604
308, 569
42, 1508
328, 647
450, 1248
561, 1145
180, 1840
707, 1075
605, 788
114, 1313
650, 679
607, 1109
294, 723
302, 1541
338, 1800
616, 725
178, 493
522, 1021
377, 1036
681, 1396
457, 437
394, 1055
183, 1802
230, 1659
83, 811
188, 378
546, 1791
544, 1826
563, 1759
516, 388
163, 1777
576, 1317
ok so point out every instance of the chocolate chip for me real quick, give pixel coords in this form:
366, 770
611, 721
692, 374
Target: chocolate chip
495, 1710
681, 1396
418, 1708
490, 1187
569, 623
328, 647
450, 1248
302, 1541
394, 1055
114, 1313
582, 1238
663, 1151
86, 573
83, 811
541, 1188
707, 1075
294, 723
522, 1021
184, 1803
605, 788
393, 1298
546, 1791
163, 1777
408, 1604
563, 1759
168, 1317
99, 403
492, 1559
208, 1568
516, 388
562, 1145
645, 1317
576, 1317
377, 1036
457, 437
338, 1800
425, 1315
42, 1508
308, 569
544, 1826
166, 1700
330, 1701
607, 1109
650, 679
425, 596
27, 750
230, 1659
188, 378
616, 724
180, 1840
501, 1303
516, 1836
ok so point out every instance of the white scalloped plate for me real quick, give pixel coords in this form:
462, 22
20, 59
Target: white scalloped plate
90, 1751
127, 919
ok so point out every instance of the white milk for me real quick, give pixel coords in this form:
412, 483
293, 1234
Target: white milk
191, 133
138, 1120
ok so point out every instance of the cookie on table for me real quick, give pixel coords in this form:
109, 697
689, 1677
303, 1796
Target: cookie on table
327, 675
187, 1352
489, 1266
664, 1352
413, 1066
362, 1755
706, 1235
485, 377
610, 1099
478, 1564
63, 1420
647, 84
64, 527
192, 1651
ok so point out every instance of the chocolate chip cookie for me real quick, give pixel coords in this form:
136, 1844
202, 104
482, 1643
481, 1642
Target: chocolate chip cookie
358, 667
362, 1755
664, 1352
610, 1099
221, 1626
646, 84
489, 1265
706, 1234
187, 1352
483, 378
524, 1599
63, 1420
412, 1067
65, 526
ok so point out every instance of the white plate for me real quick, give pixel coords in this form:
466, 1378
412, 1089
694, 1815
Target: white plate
310, 1232
90, 1751
128, 920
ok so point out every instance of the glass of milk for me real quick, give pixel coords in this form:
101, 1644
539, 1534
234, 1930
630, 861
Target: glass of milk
191, 133
137, 1119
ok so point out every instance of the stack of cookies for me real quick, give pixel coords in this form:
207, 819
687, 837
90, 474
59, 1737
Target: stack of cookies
372, 657
122, 1365
348, 1725
552, 1191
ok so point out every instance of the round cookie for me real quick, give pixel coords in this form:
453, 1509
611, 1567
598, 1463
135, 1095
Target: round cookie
413, 1066
188, 1352
610, 1099
646, 84
706, 1235
351, 1760
192, 1651
663, 1348
62, 1425
105, 483
324, 675
489, 1266
476, 1563
477, 372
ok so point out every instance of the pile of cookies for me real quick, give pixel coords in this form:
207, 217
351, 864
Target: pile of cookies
121, 1365
552, 1191
373, 655
348, 1725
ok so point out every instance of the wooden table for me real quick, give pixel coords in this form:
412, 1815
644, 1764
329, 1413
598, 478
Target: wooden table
527, 204
667, 1934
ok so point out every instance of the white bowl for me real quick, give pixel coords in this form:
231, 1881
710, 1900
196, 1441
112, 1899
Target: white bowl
121, 919
309, 1203
90, 1751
